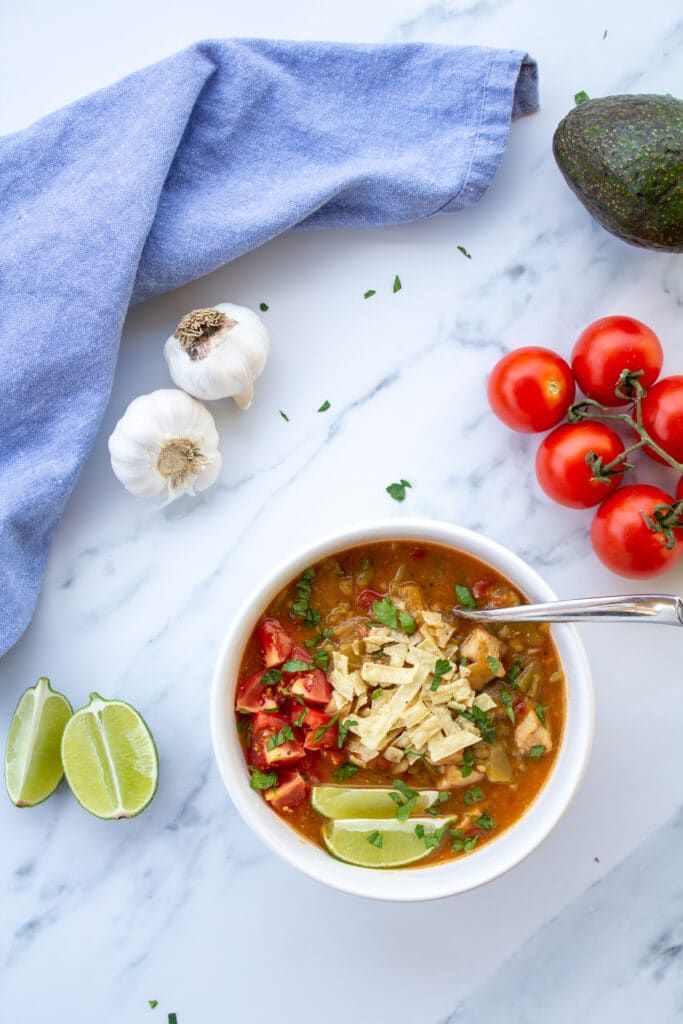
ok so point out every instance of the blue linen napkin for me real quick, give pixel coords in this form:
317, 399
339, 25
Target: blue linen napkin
180, 168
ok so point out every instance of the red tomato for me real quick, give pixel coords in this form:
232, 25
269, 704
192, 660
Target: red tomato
480, 587
328, 741
531, 389
561, 466
312, 686
252, 696
609, 346
622, 539
291, 790
264, 726
276, 644
663, 417
367, 598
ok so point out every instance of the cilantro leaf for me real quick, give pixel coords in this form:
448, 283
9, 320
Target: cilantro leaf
302, 606
385, 612
485, 821
297, 665
440, 668
537, 752
264, 307
467, 763
262, 780
493, 663
324, 407
506, 700
472, 795
420, 831
463, 250
540, 713
343, 730
315, 641
408, 623
299, 721
482, 721
398, 490
271, 677
321, 659
153, 1003
514, 671
376, 693
284, 416
581, 97
369, 293
464, 596
345, 771
376, 839
285, 734
397, 284
433, 839
404, 789
319, 733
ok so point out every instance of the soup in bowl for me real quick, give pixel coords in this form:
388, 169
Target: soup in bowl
379, 742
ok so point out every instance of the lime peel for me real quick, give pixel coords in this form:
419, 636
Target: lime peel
364, 802
33, 766
350, 840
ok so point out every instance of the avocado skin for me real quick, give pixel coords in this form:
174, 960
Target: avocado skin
623, 157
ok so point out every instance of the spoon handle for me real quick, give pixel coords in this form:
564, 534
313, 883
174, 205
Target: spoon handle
660, 608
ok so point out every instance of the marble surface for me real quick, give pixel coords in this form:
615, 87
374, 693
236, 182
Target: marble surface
184, 905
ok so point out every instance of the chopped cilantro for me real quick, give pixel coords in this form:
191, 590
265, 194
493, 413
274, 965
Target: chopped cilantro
284, 416
172, 1018
464, 596
472, 795
537, 752
409, 752
376, 839
506, 700
299, 721
376, 693
315, 641
405, 790
440, 668
581, 97
319, 733
343, 730
271, 677
463, 250
369, 293
153, 1003
398, 491
467, 763
420, 831
302, 606
483, 722
385, 613
345, 771
247, 734
324, 407
485, 821
297, 665
397, 284
285, 734
321, 659
493, 663
408, 623
433, 839
514, 671
262, 780
469, 843
263, 306
441, 798
540, 713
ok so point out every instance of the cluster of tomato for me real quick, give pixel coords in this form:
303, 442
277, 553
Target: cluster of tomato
638, 530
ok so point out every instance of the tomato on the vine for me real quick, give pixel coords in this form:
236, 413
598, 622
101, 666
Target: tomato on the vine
662, 409
630, 534
610, 345
531, 389
561, 466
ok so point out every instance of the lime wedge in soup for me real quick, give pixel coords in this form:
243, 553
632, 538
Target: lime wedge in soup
366, 802
370, 843
110, 760
33, 764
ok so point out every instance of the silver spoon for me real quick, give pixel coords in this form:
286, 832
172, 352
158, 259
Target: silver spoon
660, 608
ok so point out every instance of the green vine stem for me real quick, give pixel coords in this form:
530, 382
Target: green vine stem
629, 388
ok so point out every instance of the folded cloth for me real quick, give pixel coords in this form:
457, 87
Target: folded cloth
180, 168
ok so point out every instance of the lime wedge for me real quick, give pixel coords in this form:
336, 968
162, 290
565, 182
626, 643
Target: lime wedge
364, 802
33, 765
110, 760
369, 843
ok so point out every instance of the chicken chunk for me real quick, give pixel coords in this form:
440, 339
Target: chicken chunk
531, 733
478, 648
451, 777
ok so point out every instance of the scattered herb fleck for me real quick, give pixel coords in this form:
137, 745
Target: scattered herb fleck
343, 730
264, 307
376, 839
467, 763
408, 623
463, 250
345, 771
398, 491
483, 722
284, 416
537, 752
433, 839
172, 1018
369, 293
420, 831
485, 821
271, 677
494, 664
324, 407
472, 795
506, 700
319, 733
315, 641
297, 665
469, 843
397, 284
321, 659
279, 739
441, 666
302, 606
464, 596
376, 693
581, 97
514, 671
540, 713
301, 718
385, 612
153, 1003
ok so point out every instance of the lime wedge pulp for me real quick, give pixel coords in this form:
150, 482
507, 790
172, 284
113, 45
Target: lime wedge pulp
110, 760
364, 802
33, 764
369, 843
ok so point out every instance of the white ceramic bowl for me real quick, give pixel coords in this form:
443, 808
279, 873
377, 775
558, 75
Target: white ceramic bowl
421, 883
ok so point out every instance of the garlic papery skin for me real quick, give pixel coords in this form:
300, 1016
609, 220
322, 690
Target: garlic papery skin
218, 352
166, 443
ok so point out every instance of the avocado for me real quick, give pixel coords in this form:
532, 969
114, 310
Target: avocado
623, 157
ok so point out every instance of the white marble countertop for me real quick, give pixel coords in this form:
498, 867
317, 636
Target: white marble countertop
183, 904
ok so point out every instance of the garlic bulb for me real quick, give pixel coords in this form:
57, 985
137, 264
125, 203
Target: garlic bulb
165, 443
218, 353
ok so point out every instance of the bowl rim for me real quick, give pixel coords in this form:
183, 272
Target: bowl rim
448, 878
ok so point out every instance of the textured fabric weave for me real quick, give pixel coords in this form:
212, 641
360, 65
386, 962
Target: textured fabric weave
180, 168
